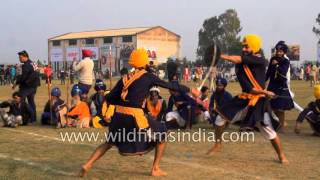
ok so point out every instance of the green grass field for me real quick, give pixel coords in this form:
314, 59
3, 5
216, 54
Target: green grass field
37, 152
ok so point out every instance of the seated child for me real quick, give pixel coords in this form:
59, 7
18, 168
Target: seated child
202, 108
311, 113
156, 107
218, 98
79, 114
183, 117
101, 111
54, 109
19, 111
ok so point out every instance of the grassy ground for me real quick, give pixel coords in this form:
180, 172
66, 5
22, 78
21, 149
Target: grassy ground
37, 152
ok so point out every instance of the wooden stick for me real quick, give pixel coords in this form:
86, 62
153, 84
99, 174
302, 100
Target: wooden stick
50, 98
110, 69
210, 69
68, 84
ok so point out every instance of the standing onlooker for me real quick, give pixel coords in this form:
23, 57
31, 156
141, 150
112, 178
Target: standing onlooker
307, 72
301, 75
123, 72
48, 72
70, 74
13, 73
186, 74
85, 69
2, 83
28, 81
313, 75
7, 75
63, 77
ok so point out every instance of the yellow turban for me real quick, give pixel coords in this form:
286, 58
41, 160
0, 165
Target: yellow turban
253, 41
317, 91
138, 58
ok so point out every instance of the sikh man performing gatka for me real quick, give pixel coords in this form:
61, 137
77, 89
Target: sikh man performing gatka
252, 106
128, 96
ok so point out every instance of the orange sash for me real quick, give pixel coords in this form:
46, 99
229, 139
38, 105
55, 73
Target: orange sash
129, 79
137, 113
154, 110
253, 98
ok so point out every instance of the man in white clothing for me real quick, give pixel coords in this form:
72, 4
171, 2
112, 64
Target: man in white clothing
85, 70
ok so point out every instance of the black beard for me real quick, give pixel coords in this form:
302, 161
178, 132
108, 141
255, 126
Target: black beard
219, 90
246, 53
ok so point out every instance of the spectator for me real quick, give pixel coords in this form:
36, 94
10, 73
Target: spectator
2, 72
7, 75
13, 74
85, 69
28, 82
218, 98
51, 112
123, 72
307, 72
19, 111
183, 117
202, 109
48, 73
101, 110
301, 75
156, 107
80, 112
311, 114
63, 77
313, 75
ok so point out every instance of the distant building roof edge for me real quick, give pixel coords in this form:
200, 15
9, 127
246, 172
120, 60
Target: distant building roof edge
137, 31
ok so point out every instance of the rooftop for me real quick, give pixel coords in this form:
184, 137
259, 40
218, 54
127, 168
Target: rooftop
103, 33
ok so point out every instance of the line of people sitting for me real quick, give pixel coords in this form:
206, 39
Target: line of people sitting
182, 110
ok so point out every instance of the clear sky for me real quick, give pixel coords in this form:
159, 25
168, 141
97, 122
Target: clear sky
27, 24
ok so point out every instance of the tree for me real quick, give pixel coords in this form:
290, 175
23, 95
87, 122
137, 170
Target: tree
223, 30
39, 63
317, 30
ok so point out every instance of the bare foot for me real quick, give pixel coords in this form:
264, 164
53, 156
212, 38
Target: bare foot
215, 149
283, 160
157, 172
84, 170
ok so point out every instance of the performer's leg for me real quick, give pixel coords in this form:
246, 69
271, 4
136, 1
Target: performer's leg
276, 143
281, 115
98, 153
219, 128
156, 171
269, 133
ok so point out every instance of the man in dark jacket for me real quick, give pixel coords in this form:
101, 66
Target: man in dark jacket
28, 81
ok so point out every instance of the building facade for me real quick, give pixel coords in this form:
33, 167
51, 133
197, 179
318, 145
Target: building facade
112, 48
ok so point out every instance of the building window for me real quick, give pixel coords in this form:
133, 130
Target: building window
72, 42
90, 41
56, 43
107, 40
127, 39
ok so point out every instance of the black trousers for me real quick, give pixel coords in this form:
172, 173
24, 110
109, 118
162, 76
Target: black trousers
29, 94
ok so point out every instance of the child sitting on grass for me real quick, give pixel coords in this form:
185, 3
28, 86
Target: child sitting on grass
101, 110
19, 111
311, 113
79, 114
51, 112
